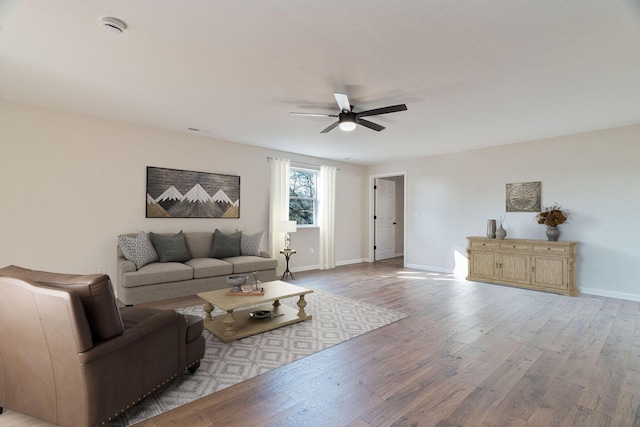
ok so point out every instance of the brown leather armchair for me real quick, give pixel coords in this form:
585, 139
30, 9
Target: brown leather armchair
70, 356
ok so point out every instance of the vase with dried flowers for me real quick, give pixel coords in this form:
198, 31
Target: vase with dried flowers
552, 216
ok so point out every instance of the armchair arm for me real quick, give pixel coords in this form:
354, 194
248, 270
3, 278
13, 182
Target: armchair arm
133, 335
120, 371
265, 254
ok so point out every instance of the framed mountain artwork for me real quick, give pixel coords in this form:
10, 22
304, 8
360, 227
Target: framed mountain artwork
173, 193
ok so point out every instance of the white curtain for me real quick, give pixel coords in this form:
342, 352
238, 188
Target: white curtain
278, 209
326, 216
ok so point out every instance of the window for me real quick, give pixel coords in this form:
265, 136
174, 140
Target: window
302, 196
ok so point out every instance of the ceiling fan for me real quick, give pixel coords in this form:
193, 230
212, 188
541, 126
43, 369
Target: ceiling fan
347, 118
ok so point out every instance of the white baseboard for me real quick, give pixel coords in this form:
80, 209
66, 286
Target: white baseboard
429, 268
610, 294
305, 268
352, 261
317, 266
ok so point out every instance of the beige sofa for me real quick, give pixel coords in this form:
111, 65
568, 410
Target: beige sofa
163, 280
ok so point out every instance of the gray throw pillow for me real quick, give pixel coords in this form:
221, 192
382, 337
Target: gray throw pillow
225, 245
138, 250
171, 248
250, 243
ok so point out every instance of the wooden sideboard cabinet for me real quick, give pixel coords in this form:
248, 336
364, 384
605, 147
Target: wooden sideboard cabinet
534, 264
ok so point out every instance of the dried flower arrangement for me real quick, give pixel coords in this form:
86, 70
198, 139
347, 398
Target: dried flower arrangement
552, 216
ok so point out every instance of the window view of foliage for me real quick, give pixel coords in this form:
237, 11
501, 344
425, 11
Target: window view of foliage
302, 196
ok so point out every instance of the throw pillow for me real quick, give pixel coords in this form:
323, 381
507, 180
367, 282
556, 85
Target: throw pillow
171, 248
225, 245
138, 250
250, 243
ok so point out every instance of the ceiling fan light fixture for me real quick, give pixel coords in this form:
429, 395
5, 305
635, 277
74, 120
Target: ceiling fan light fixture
347, 126
347, 122
347, 119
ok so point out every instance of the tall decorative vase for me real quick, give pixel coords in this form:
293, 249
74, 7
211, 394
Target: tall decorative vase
501, 233
491, 228
553, 233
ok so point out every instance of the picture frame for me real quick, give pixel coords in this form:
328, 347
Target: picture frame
523, 197
176, 193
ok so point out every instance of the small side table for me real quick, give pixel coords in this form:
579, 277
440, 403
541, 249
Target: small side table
287, 254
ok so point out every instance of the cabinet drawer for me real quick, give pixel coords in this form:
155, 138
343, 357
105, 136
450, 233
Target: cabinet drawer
550, 249
476, 244
515, 246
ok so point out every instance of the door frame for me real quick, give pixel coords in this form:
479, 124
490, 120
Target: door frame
372, 196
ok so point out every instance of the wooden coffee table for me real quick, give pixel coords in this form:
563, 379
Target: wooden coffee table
236, 323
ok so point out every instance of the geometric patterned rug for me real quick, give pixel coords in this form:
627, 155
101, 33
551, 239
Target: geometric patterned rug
335, 319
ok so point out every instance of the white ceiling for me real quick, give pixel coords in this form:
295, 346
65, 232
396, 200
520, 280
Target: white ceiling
472, 73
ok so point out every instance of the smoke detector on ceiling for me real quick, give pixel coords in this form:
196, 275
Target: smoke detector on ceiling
113, 24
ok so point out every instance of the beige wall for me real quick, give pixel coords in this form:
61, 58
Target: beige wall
70, 184
595, 175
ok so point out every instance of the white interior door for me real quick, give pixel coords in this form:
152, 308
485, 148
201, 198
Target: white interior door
385, 219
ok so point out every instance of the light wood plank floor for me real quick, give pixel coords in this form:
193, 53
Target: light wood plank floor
469, 354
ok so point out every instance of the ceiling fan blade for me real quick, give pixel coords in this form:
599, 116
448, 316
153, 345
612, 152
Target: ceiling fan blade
313, 114
343, 101
383, 110
370, 125
331, 127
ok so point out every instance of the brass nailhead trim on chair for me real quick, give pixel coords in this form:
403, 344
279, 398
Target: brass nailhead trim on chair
148, 393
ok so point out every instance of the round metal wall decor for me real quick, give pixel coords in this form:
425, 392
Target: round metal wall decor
523, 197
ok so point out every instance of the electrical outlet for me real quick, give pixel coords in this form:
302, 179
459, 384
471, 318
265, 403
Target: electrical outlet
310, 251
102, 269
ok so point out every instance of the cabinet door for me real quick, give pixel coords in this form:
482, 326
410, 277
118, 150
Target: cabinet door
550, 272
482, 264
514, 268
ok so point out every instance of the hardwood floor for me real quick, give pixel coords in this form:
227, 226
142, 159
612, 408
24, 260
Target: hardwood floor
468, 354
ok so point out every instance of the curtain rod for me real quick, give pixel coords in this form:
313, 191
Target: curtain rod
299, 163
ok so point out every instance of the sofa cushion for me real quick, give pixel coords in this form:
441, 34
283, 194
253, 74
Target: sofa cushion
225, 245
199, 243
158, 272
209, 267
250, 243
247, 264
95, 292
170, 248
138, 250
